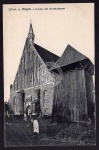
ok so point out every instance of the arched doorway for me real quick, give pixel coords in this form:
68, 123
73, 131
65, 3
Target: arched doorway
28, 110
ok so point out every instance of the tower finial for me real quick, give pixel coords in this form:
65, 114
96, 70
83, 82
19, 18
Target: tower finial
31, 35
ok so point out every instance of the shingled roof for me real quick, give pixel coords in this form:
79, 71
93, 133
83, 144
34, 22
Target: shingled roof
45, 54
69, 56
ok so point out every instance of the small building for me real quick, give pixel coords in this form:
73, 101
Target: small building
32, 90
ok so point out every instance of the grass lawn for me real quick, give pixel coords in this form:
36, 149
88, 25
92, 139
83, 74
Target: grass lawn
20, 133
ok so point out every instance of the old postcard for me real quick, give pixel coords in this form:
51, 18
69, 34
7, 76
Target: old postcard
49, 89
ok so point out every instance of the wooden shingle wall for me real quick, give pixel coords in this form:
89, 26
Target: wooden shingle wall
70, 96
89, 94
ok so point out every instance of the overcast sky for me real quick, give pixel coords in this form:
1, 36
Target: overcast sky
53, 29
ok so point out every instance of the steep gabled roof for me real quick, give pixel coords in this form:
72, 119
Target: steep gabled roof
69, 56
45, 54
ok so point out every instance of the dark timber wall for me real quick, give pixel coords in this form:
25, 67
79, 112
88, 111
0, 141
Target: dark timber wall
70, 96
89, 94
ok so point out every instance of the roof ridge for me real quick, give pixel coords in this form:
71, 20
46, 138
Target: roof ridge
75, 50
70, 55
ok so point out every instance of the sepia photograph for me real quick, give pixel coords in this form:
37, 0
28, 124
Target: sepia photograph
49, 74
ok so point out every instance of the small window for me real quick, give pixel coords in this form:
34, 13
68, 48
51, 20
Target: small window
18, 75
25, 71
15, 82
